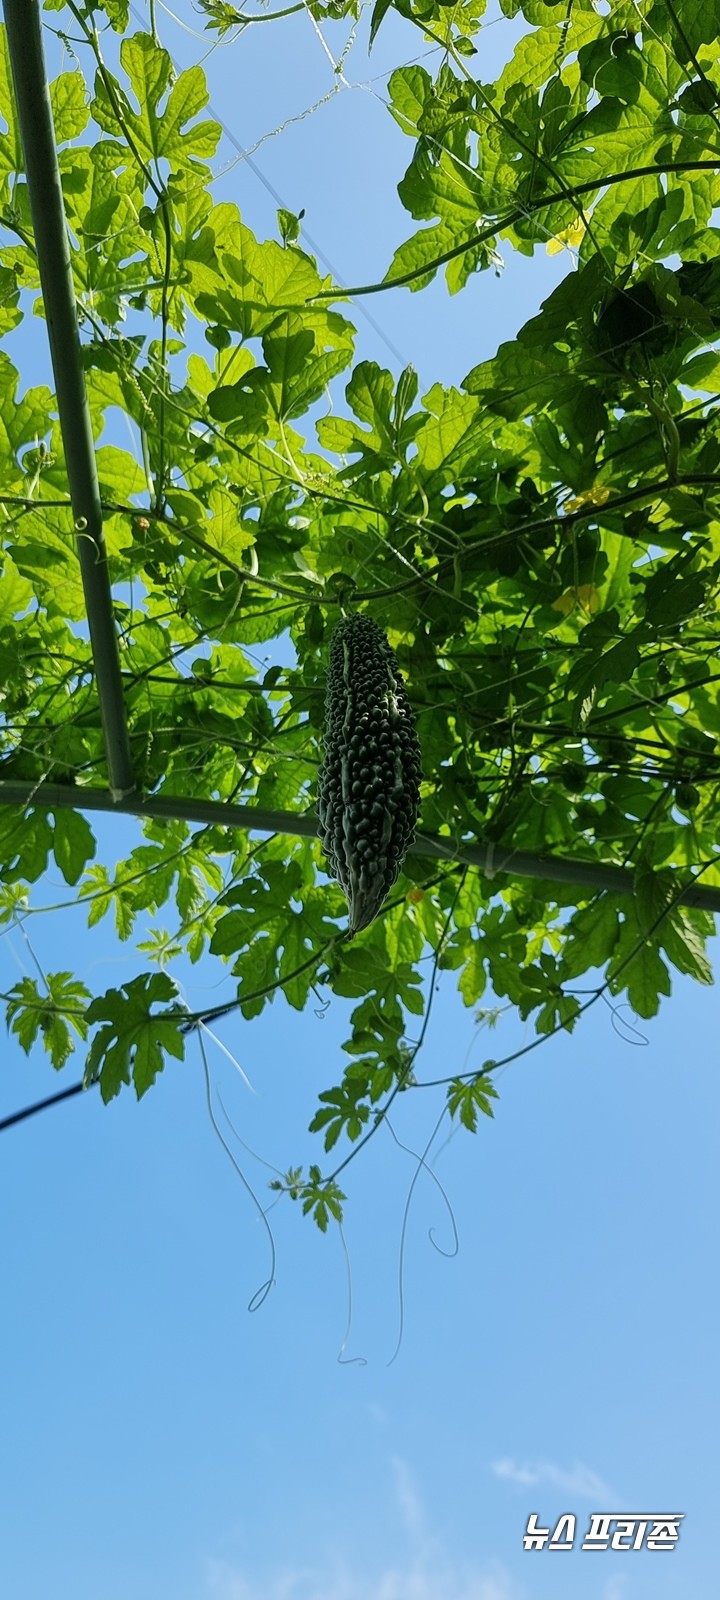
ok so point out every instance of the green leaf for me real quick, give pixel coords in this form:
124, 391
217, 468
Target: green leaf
685, 947
592, 936
120, 476
380, 10
73, 844
157, 134
342, 1110
466, 1099
132, 1039
53, 1014
473, 978
289, 225
638, 967
69, 107
15, 593
322, 1198
25, 843
561, 1011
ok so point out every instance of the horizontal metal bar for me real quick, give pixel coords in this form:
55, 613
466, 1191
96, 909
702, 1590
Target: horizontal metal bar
493, 860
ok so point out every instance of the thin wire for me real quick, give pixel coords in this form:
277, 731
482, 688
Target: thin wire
272, 191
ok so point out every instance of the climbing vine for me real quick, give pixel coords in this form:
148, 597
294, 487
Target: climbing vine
541, 545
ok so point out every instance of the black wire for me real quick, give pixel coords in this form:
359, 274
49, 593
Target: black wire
41, 1105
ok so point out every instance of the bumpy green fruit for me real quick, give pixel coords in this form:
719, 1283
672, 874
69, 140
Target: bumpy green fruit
369, 781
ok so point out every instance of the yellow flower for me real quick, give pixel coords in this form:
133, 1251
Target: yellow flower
597, 496
570, 237
586, 597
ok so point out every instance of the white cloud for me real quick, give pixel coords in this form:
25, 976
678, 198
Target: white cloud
579, 1481
427, 1573
615, 1589
434, 1581
409, 1504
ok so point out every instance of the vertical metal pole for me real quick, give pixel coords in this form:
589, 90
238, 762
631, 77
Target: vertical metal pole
24, 32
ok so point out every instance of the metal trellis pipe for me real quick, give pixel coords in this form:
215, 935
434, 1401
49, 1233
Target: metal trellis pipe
494, 860
24, 35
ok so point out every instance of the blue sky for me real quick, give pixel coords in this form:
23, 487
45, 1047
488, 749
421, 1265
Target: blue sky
159, 1439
